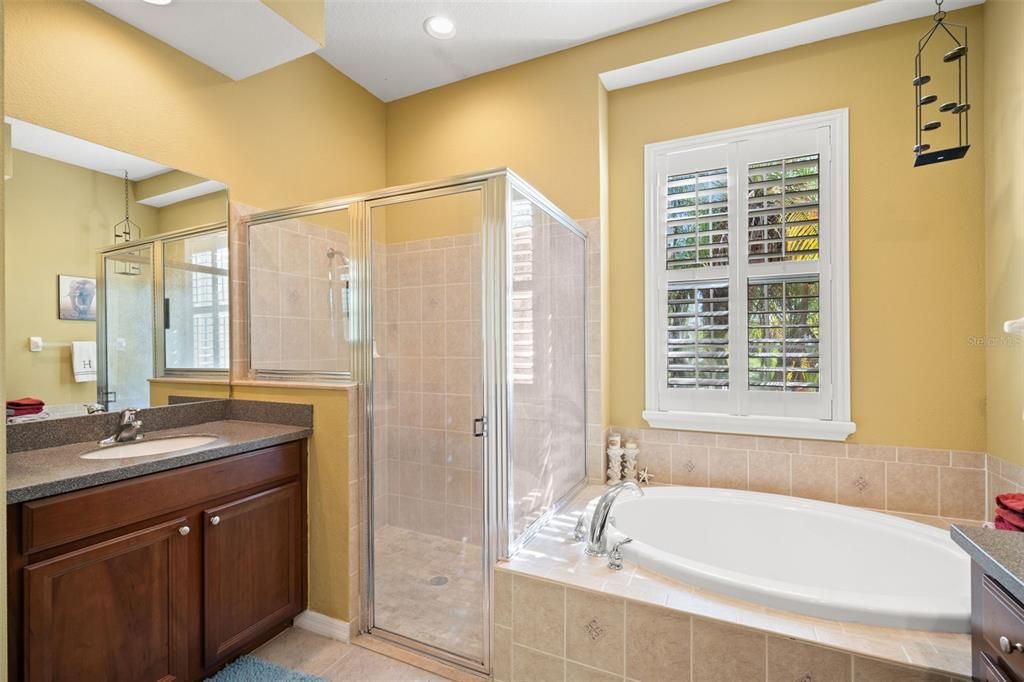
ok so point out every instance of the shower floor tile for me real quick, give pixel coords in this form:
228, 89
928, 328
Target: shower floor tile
429, 589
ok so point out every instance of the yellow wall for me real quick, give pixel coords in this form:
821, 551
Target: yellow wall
916, 235
3, 378
58, 216
328, 487
306, 15
541, 117
1002, 146
204, 210
160, 390
299, 132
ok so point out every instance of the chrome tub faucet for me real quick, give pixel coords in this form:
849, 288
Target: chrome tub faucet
597, 544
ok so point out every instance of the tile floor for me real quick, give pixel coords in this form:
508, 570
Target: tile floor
336, 661
448, 616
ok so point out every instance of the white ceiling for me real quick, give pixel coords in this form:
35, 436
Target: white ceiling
382, 44
238, 38
28, 137
40, 141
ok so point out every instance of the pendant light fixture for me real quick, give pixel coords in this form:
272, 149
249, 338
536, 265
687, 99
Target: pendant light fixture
125, 231
943, 125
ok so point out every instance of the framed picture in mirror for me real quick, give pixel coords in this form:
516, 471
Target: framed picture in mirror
76, 298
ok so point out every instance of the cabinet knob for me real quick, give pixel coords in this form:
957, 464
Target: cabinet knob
1008, 647
184, 530
214, 520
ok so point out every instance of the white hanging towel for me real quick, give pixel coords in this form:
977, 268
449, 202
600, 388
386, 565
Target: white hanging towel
83, 360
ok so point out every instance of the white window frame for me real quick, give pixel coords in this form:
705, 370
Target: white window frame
710, 410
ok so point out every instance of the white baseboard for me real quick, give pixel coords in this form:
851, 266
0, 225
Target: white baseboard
319, 624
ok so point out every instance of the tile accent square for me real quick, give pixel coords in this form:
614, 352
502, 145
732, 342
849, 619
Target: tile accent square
861, 483
594, 630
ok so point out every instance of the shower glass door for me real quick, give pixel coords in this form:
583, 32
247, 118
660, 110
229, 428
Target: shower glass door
428, 582
126, 341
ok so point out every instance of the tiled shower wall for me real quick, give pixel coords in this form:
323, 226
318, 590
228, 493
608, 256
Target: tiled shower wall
296, 325
429, 313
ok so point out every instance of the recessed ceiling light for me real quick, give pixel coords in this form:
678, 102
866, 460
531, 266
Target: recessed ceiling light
158, 2
441, 28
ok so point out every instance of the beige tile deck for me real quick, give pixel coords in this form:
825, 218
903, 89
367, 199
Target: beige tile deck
554, 556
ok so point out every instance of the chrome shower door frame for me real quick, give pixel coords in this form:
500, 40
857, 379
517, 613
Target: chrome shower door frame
492, 188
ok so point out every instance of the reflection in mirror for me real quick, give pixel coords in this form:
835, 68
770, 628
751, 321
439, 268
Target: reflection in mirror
87, 229
299, 295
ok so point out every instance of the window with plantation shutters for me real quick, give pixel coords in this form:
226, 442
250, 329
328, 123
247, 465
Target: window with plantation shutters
747, 280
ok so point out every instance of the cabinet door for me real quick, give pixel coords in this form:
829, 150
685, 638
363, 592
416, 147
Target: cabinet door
113, 611
252, 563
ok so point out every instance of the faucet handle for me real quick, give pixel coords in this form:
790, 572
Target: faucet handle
580, 531
615, 557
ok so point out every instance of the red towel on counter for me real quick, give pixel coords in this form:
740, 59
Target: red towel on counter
25, 402
22, 411
1003, 524
1010, 511
1011, 501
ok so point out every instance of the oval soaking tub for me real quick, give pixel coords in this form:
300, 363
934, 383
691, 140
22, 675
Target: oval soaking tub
814, 558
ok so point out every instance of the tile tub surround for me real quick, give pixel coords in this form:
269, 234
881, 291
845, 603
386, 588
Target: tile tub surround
933, 486
570, 603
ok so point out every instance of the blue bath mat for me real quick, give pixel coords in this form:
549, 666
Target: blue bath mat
252, 669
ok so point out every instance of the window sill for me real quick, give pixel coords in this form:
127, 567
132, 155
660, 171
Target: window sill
783, 427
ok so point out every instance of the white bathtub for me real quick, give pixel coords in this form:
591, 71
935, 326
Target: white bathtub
814, 558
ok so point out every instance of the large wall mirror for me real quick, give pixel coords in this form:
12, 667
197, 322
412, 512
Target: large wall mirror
116, 273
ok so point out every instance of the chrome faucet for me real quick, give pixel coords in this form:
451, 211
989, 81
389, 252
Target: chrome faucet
128, 429
597, 544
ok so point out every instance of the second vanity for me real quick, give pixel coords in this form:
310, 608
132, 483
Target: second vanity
159, 567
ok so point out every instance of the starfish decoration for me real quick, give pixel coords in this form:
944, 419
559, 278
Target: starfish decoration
645, 476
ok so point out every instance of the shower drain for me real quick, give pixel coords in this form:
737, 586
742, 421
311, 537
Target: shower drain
438, 580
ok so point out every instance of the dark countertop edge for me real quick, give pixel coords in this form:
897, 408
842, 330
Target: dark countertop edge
195, 456
983, 556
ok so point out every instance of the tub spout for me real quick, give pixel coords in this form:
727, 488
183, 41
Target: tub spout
597, 544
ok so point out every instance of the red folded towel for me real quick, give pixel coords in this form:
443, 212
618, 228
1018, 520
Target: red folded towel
25, 402
22, 411
1011, 501
1011, 517
1003, 524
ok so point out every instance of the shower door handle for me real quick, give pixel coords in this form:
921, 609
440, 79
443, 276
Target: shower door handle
480, 427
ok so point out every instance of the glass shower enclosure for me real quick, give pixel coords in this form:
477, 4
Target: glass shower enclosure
467, 334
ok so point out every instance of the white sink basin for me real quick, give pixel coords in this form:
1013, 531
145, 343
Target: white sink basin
143, 448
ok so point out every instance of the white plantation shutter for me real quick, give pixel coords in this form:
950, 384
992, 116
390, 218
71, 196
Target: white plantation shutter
698, 336
697, 219
740, 291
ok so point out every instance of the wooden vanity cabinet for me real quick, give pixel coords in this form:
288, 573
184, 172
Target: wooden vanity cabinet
164, 577
997, 630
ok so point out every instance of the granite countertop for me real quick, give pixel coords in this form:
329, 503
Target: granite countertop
32, 474
999, 552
